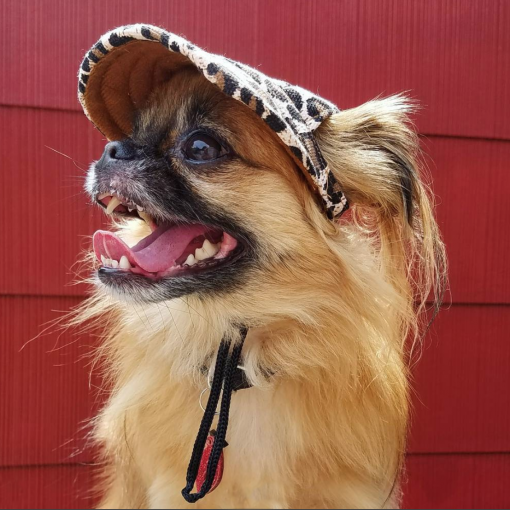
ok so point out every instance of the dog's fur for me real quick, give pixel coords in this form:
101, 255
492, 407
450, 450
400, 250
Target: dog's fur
332, 309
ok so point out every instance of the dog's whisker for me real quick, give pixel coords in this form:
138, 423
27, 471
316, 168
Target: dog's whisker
77, 165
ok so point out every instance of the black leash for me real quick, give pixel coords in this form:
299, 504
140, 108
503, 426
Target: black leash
225, 373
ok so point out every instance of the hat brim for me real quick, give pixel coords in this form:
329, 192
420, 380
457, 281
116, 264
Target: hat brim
122, 82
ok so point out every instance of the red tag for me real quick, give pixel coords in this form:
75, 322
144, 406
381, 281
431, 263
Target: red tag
202, 470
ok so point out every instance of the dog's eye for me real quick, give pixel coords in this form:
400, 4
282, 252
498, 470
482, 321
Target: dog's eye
202, 147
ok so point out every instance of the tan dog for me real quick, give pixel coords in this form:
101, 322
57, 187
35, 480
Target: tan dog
329, 305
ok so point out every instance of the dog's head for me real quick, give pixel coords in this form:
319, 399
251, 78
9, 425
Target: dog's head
211, 197
214, 204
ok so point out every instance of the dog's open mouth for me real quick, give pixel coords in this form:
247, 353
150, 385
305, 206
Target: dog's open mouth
171, 249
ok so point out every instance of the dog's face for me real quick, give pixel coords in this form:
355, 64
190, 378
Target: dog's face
213, 201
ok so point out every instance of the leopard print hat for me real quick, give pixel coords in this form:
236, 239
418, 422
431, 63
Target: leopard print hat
120, 70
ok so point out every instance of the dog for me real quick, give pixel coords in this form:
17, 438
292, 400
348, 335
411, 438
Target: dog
218, 237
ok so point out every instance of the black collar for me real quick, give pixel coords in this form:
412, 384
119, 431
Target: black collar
239, 380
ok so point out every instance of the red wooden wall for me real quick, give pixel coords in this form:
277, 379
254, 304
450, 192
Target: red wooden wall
452, 55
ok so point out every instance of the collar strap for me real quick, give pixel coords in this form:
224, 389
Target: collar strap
225, 369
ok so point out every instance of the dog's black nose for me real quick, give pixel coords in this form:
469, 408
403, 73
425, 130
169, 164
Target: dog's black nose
123, 149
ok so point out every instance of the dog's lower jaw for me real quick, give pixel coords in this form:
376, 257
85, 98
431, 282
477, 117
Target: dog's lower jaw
318, 436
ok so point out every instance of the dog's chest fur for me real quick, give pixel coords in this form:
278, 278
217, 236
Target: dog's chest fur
270, 461
285, 438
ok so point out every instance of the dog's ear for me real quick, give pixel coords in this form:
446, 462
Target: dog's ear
373, 151
374, 154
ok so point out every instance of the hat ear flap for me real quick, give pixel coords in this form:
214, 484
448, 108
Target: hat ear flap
374, 154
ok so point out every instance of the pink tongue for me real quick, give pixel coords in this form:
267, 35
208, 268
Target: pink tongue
155, 253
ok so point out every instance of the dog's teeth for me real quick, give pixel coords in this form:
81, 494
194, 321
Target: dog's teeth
210, 249
114, 202
200, 254
103, 260
107, 262
131, 209
140, 209
145, 217
103, 195
124, 263
115, 263
207, 251
190, 261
